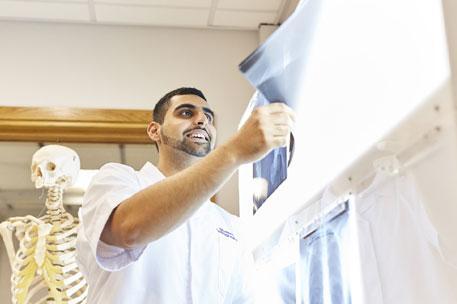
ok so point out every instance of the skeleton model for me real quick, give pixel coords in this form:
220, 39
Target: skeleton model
44, 268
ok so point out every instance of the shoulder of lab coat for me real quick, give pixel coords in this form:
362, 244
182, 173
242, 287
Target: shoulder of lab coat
109, 187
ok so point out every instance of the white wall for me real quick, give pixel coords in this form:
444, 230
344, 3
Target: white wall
45, 64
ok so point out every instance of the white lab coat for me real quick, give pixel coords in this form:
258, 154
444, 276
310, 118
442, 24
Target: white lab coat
202, 261
399, 247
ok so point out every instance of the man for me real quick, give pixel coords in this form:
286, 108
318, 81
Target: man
152, 236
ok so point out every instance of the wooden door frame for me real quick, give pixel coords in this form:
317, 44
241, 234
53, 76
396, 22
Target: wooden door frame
83, 125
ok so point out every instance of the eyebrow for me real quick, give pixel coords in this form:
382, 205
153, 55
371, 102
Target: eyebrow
191, 106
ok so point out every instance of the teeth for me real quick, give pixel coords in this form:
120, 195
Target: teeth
197, 135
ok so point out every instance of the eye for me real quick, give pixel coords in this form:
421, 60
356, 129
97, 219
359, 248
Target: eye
209, 117
186, 113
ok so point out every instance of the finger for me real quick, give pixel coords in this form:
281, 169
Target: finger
281, 119
281, 130
278, 107
291, 116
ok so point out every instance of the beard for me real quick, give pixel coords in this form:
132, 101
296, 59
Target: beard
187, 145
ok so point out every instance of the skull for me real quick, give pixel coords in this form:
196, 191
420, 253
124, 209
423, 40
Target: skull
53, 165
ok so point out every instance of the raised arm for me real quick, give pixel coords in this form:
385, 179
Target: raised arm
158, 209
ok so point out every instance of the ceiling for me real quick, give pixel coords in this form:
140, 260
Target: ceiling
222, 14
18, 195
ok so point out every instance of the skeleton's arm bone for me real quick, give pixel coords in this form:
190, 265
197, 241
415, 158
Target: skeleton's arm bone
7, 235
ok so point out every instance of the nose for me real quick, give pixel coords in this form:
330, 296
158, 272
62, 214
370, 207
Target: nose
201, 119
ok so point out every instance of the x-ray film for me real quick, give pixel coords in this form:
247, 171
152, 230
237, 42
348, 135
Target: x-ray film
323, 279
318, 274
275, 69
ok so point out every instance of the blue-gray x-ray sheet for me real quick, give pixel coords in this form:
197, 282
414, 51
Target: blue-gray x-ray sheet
275, 69
323, 278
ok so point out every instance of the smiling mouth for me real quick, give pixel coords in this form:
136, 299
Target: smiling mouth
199, 135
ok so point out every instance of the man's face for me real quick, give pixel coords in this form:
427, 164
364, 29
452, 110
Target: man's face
189, 125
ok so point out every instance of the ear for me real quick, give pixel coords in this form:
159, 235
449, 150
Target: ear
154, 131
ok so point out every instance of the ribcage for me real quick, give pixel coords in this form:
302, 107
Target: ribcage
45, 268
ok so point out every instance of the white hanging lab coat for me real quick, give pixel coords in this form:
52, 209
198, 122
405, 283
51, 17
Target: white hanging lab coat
399, 247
